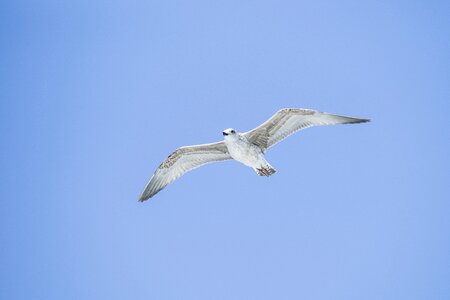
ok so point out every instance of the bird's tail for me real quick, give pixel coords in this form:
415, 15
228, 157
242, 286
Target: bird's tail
266, 170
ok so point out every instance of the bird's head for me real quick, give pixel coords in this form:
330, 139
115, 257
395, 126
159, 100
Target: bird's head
230, 132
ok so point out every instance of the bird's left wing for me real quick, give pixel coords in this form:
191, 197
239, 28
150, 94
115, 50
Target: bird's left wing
183, 160
290, 120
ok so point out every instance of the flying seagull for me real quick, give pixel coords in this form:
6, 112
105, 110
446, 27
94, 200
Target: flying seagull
247, 148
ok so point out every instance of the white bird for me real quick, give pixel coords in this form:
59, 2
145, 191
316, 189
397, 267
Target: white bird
247, 148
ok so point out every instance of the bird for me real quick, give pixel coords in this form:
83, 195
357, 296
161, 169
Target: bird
248, 147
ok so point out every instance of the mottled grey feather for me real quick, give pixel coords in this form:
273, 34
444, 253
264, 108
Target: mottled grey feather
181, 161
290, 120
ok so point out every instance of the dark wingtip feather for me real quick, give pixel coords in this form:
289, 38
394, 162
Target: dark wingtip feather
356, 120
142, 199
145, 196
149, 193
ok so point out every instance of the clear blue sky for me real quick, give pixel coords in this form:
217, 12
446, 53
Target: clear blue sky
95, 94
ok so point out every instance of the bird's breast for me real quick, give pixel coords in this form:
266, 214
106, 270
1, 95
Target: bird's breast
244, 152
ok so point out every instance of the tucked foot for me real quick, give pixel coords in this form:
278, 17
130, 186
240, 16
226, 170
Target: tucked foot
265, 171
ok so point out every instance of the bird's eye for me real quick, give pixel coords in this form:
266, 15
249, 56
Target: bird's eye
232, 131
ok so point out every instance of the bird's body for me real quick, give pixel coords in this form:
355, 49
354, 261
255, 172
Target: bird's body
247, 148
246, 152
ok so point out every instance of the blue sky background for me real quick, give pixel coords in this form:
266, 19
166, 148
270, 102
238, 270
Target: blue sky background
95, 94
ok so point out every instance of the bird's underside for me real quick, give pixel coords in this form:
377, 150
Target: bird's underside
247, 148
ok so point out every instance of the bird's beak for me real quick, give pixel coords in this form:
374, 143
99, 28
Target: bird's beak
224, 133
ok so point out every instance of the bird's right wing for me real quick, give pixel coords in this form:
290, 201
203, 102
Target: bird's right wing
290, 120
181, 161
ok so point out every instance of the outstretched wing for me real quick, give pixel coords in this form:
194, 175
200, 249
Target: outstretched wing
290, 120
181, 161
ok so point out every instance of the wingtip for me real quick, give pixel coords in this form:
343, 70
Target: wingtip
146, 195
357, 120
143, 198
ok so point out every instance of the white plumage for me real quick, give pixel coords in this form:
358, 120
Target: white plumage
247, 148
